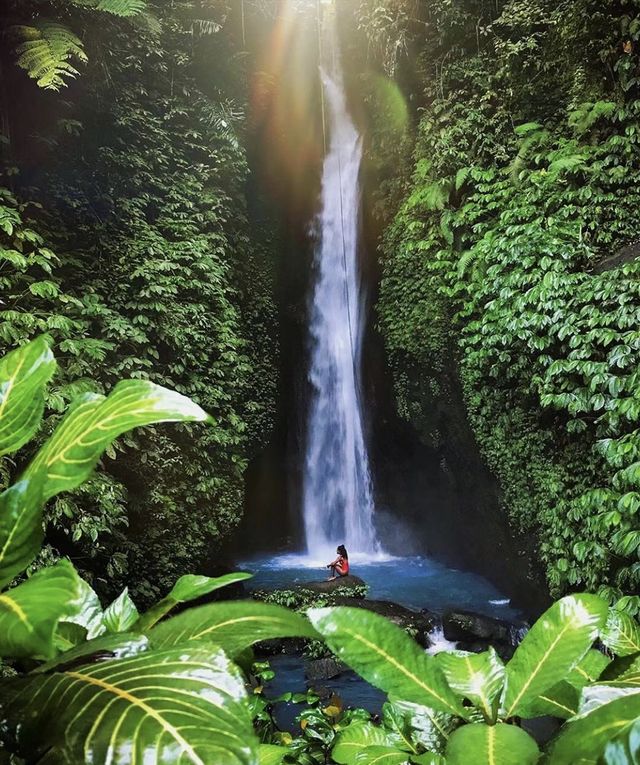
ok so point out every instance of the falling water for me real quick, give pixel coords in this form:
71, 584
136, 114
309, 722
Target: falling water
338, 497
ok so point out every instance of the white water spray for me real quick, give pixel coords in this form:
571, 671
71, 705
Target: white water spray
338, 496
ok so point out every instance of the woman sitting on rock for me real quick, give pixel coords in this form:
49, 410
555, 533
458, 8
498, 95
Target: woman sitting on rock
340, 566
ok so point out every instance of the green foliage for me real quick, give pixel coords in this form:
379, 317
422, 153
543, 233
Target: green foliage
125, 695
501, 262
141, 260
470, 707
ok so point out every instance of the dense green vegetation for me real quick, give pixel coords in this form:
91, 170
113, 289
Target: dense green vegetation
137, 260
125, 236
143, 685
501, 258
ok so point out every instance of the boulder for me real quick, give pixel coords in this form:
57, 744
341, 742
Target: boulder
324, 669
469, 627
348, 582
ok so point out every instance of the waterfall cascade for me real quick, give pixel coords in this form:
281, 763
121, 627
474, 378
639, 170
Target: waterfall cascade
337, 491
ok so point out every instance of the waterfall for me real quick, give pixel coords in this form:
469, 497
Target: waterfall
337, 490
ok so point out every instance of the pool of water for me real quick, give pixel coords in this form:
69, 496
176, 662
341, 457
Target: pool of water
415, 582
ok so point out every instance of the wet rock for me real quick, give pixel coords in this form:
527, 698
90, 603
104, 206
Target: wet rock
324, 669
348, 582
470, 627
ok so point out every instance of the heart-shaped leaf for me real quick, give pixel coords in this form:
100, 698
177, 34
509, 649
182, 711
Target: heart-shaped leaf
21, 531
385, 656
478, 677
24, 374
491, 745
233, 625
187, 588
585, 737
184, 705
356, 737
551, 649
73, 450
621, 633
30, 612
120, 615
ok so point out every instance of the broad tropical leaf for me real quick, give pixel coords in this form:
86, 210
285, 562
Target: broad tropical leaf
120, 615
103, 648
561, 700
585, 737
625, 748
21, 531
72, 452
491, 745
621, 633
589, 669
385, 656
187, 588
409, 724
183, 705
90, 612
30, 612
478, 677
232, 625
381, 755
268, 754
24, 374
428, 758
356, 737
551, 649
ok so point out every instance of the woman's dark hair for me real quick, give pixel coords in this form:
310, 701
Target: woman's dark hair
342, 550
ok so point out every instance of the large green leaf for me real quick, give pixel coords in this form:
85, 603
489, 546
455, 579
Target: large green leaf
411, 726
103, 648
385, 656
621, 633
585, 737
589, 669
381, 755
187, 588
491, 745
90, 613
30, 612
269, 754
21, 531
356, 737
478, 677
625, 748
184, 705
120, 615
233, 625
24, 374
72, 452
561, 700
551, 649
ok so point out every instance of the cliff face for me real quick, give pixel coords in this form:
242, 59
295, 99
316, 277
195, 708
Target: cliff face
510, 300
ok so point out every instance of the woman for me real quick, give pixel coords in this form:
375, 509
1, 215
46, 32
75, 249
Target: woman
340, 566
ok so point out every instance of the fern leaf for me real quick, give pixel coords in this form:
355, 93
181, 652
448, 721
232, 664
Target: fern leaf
46, 50
122, 7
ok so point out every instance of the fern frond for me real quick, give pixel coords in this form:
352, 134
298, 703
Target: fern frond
206, 27
222, 118
466, 259
46, 50
122, 7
